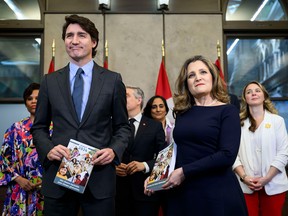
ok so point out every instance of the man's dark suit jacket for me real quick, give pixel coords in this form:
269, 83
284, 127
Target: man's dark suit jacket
149, 140
104, 124
234, 100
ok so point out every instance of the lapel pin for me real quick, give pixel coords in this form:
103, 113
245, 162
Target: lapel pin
267, 125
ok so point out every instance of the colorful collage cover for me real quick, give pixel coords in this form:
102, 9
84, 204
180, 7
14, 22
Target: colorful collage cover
163, 167
74, 173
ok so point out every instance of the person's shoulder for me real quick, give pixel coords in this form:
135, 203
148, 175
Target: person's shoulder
273, 116
60, 71
23, 121
229, 106
224, 106
13, 127
229, 109
18, 126
105, 71
146, 119
274, 120
150, 121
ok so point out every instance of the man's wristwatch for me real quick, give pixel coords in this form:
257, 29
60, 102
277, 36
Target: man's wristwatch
242, 178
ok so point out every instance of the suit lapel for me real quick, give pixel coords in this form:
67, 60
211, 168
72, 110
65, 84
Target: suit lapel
64, 86
247, 138
141, 129
96, 86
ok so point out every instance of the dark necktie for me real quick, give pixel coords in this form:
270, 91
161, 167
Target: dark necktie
131, 121
78, 92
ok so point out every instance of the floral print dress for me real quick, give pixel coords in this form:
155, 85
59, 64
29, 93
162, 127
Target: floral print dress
19, 158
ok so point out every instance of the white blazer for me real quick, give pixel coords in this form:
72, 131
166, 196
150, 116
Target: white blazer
274, 153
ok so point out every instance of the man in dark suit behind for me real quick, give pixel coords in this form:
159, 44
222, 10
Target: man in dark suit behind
138, 160
234, 100
102, 123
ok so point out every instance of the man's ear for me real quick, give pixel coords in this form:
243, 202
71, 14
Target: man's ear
95, 44
139, 100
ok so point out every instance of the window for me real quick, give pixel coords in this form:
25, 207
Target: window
19, 65
256, 10
20, 52
251, 55
258, 58
256, 45
19, 10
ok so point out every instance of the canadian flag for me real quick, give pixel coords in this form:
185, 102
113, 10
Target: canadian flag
218, 64
52, 65
163, 89
105, 64
52, 62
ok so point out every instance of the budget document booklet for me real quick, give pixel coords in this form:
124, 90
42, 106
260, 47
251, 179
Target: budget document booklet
163, 167
75, 173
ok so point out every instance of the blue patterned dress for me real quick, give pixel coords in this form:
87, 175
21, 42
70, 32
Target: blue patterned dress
19, 158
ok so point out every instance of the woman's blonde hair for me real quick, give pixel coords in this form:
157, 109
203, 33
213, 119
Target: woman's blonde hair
245, 112
183, 99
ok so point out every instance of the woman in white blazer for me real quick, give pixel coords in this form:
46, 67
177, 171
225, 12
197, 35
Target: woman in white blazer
263, 154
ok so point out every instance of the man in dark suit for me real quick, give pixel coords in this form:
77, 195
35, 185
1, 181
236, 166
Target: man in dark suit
101, 122
234, 100
138, 160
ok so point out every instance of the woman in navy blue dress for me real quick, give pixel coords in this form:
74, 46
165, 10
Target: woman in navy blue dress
207, 133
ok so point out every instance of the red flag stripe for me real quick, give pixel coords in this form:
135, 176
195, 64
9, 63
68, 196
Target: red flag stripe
105, 65
163, 87
52, 66
218, 64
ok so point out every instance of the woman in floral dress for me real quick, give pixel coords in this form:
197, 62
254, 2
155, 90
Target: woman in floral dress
19, 165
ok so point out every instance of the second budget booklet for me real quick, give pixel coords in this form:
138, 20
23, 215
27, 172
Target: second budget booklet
163, 167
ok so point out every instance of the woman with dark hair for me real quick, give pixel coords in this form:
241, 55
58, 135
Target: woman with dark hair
21, 169
263, 153
207, 133
157, 109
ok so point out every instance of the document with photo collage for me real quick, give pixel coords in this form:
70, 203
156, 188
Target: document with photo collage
163, 167
74, 173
